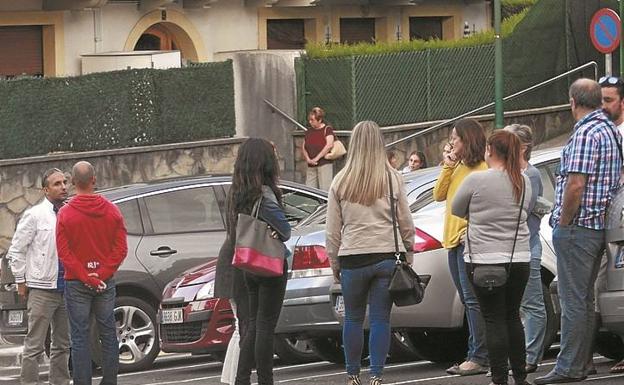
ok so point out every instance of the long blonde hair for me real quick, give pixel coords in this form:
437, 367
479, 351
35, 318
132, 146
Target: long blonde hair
364, 178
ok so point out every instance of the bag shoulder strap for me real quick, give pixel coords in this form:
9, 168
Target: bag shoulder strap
397, 254
256, 207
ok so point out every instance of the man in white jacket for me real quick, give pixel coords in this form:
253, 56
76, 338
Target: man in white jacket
39, 277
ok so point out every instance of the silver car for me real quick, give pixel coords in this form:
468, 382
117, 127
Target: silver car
309, 311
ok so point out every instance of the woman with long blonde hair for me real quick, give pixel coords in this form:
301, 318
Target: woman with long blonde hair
360, 244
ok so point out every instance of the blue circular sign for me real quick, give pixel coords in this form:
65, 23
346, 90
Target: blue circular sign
605, 30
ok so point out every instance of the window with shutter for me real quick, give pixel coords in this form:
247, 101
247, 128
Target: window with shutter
356, 30
286, 34
21, 50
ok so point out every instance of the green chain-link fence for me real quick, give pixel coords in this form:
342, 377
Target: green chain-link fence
409, 87
116, 109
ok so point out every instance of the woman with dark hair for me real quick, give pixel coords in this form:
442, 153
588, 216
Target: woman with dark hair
496, 204
255, 179
318, 141
462, 156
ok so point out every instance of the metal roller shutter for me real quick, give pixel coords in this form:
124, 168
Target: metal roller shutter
21, 50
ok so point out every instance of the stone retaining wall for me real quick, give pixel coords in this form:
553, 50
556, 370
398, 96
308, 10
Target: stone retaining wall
20, 179
547, 123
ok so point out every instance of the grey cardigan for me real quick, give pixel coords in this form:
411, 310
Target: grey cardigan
486, 199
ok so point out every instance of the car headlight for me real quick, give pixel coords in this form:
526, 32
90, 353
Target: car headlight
206, 292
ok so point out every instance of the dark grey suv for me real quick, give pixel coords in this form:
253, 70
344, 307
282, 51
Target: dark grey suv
173, 226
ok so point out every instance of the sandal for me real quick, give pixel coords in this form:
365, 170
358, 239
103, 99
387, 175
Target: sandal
617, 368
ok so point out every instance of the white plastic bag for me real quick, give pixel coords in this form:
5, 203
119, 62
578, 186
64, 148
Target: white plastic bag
230, 364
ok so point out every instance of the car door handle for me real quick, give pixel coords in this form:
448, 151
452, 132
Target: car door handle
163, 251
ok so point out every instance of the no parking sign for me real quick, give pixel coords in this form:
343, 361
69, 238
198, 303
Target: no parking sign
605, 30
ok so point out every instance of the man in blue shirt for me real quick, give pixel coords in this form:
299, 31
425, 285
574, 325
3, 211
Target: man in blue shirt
589, 173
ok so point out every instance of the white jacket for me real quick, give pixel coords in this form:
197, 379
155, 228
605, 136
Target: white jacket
32, 255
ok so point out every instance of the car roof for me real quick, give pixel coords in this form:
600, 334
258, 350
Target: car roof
135, 189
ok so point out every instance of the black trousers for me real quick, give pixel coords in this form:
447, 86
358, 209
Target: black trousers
266, 296
504, 332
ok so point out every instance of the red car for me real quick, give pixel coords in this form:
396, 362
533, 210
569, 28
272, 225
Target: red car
193, 321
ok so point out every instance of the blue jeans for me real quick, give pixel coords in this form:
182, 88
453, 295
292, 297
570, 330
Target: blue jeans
359, 286
532, 308
579, 251
81, 302
477, 349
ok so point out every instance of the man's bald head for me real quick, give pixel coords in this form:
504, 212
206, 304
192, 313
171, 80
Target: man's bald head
586, 93
83, 175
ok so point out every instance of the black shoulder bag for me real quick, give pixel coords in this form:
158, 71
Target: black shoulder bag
406, 287
491, 276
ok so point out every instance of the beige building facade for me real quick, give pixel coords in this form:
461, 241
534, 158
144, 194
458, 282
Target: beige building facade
48, 37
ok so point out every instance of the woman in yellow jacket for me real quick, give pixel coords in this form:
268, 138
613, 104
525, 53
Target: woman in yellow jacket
462, 155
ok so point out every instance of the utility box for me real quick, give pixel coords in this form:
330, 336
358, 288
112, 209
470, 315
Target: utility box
116, 61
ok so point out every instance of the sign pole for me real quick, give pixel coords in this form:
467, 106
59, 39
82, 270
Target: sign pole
608, 64
498, 67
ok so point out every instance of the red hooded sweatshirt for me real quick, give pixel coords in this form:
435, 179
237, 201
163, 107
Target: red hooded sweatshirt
90, 238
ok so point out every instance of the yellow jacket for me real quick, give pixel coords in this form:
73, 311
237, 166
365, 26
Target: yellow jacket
448, 182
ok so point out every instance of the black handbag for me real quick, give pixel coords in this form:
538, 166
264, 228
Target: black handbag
491, 276
406, 287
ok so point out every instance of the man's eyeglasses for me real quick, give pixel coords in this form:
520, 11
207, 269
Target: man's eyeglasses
612, 80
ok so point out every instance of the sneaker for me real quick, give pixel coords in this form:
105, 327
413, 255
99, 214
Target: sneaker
375, 380
354, 380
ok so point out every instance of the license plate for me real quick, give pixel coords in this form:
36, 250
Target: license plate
172, 316
16, 317
339, 306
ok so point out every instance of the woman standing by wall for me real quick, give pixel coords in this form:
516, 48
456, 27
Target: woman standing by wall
496, 204
463, 155
319, 139
360, 245
255, 179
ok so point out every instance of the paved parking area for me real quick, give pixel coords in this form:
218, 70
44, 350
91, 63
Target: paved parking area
195, 370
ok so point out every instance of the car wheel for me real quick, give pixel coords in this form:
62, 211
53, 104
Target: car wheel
331, 348
440, 346
401, 348
552, 322
137, 333
610, 345
292, 350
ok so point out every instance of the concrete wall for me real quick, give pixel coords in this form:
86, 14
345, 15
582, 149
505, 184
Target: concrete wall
260, 75
551, 127
20, 179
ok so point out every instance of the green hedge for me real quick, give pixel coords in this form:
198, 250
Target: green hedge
116, 110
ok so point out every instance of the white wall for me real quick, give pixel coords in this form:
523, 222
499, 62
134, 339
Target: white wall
477, 13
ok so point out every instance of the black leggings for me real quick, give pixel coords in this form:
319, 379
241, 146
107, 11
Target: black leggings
504, 332
266, 296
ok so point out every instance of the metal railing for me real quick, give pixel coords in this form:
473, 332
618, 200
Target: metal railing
466, 114
510, 97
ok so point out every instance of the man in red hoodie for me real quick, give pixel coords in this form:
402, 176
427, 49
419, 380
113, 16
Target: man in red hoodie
91, 243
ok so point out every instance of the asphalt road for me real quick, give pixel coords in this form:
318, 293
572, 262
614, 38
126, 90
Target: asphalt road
188, 370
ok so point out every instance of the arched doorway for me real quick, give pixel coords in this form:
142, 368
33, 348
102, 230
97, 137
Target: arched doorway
156, 38
170, 31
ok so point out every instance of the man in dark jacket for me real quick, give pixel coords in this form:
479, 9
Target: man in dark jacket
91, 241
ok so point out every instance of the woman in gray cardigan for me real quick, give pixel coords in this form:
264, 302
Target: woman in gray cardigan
496, 202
